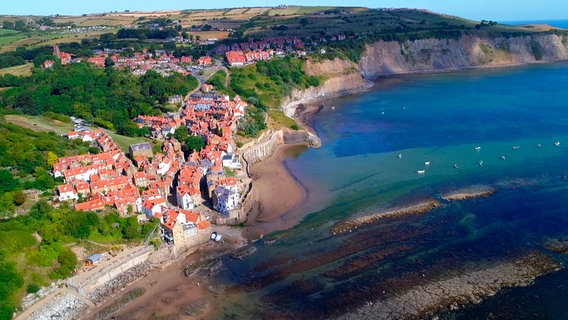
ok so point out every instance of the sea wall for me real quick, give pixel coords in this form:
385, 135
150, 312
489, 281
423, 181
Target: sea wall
107, 275
469, 51
263, 149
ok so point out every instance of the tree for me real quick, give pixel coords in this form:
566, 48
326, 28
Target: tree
108, 62
25, 103
7, 181
21, 25
52, 158
181, 134
67, 263
19, 197
195, 143
7, 25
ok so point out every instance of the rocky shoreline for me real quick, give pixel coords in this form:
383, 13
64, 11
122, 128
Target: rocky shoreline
351, 224
470, 286
63, 306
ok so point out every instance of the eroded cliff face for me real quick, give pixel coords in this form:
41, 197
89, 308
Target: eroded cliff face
435, 55
341, 77
422, 56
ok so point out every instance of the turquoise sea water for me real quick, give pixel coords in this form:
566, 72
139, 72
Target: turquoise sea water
309, 273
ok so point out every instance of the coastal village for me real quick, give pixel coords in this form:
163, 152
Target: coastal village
186, 193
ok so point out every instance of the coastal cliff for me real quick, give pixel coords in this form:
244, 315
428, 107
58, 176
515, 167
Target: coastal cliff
386, 58
467, 52
342, 77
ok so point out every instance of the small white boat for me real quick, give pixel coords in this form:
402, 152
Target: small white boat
480, 162
421, 171
332, 108
456, 166
557, 143
503, 158
539, 146
399, 156
516, 147
427, 163
477, 148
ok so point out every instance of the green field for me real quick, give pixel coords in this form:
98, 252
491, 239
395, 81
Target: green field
4, 40
39, 123
7, 32
42, 124
123, 141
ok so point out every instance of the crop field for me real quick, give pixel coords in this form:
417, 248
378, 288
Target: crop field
89, 21
48, 39
23, 70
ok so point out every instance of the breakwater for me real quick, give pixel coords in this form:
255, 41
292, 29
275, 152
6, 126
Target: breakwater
351, 224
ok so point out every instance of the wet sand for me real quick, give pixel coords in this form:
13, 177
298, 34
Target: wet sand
276, 192
167, 292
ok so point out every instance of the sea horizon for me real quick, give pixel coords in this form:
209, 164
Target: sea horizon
559, 23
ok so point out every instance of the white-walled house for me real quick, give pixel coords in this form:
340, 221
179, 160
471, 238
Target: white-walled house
232, 161
164, 166
225, 199
184, 199
67, 192
154, 208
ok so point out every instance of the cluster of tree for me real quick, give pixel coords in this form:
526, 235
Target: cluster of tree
287, 70
50, 256
19, 25
158, 22
189, 143
144, 34
9, 80
22, 56
485, 23
107, 97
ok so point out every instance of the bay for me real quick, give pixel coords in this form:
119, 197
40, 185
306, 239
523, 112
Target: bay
374, 145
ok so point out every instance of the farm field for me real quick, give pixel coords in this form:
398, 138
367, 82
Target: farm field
23, 70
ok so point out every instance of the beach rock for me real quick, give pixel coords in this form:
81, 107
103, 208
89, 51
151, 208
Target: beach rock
470, 193
557, 245
351, 224
453, 292
241, 254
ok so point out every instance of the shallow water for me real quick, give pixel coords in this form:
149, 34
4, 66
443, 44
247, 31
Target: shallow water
439, 119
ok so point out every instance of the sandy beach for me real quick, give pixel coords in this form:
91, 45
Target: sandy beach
276, 192
166, 292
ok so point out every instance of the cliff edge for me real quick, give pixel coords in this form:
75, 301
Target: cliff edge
469, 51
386, 58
